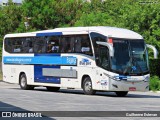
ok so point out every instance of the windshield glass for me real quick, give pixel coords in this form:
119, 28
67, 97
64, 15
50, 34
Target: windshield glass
130, 57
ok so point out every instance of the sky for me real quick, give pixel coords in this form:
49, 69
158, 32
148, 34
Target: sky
17, 1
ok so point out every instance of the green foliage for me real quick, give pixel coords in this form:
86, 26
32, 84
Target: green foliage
155, 74
48, 14
92, 18
10, 17
154, 67
1, 44
155, 83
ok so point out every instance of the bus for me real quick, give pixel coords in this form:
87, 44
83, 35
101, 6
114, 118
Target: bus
97, 58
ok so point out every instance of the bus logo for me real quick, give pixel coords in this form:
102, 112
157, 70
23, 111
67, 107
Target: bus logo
85, 62
134, 68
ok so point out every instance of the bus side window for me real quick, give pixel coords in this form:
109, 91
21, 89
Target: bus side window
67, 44
8, 45
53, 45
24, 45
97, 37
27, 46
63, 44
77, 45
17, 45
104, 57
70, 44
72, 41
86, 45
30, 47
40, 45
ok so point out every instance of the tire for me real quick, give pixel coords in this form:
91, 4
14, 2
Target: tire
121, 93
23, 83
53, 89
87, 86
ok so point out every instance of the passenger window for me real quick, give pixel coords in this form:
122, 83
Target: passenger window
27, 46
8, 45
31, 43
67, 43
64, 44
39, 45
76, 44
53, 45
17, 45
86, 45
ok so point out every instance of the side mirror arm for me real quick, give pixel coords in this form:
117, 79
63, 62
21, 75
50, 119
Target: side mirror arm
110, 47
154, 50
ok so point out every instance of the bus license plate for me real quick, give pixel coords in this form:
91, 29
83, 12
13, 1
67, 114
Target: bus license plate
132, 89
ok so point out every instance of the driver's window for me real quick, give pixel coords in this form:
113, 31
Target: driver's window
103, 57
97, 37
101, 52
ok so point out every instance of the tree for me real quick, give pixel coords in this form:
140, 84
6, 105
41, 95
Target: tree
10, 17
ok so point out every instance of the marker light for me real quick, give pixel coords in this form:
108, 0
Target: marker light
110, 40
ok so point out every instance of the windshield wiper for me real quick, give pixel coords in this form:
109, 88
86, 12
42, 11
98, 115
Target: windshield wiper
138, 65
128, 65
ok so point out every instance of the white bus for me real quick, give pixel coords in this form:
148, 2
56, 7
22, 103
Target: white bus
91, 58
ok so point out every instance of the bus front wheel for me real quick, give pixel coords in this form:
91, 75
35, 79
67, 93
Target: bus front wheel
87, 86
53, 89
23, 83
121, 93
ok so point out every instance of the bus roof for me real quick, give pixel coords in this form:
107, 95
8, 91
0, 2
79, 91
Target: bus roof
107, 31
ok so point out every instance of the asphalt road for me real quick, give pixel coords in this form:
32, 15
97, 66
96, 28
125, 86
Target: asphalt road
12, 98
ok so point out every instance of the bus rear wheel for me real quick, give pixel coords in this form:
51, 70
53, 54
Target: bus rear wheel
53, 89
23, 83
121, 93
87, 86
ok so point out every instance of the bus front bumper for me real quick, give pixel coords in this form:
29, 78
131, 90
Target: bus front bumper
128, 86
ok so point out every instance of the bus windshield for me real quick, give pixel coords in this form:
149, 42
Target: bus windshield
130, 57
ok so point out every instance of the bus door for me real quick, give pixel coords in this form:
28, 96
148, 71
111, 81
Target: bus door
103, 63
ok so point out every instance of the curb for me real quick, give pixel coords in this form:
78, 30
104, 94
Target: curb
155, 91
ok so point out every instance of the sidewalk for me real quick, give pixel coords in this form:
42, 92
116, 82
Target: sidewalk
155, 91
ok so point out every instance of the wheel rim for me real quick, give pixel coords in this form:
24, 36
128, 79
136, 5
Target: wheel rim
88, 86
23, 81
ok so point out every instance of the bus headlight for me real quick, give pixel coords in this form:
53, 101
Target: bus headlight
116, 78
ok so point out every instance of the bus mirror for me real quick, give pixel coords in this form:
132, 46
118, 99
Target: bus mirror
110, 47
154, 50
